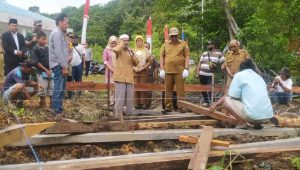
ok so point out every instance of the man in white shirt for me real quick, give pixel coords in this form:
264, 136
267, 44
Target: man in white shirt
88, 58
78, 61
281, 90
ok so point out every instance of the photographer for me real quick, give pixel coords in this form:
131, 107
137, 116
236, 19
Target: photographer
281, 90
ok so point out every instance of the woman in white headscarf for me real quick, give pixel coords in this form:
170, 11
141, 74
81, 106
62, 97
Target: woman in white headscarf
141, 71
109, 58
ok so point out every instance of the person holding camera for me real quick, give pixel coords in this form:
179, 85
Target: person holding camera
206, 67
281, 90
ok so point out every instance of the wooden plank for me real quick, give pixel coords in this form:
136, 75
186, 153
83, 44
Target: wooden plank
182, 123
194, 140
201, 152
14, 133
296, 89
91, 86
143, 135
162, 160
202, 110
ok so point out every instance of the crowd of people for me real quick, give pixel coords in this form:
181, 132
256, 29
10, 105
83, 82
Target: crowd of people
62, 58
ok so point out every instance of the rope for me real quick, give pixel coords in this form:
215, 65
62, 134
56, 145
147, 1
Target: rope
30, 145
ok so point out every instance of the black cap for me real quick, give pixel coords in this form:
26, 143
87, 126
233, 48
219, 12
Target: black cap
285, 71
28, 63
12, 21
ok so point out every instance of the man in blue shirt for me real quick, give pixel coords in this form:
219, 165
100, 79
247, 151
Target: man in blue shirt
247, 98
18, 85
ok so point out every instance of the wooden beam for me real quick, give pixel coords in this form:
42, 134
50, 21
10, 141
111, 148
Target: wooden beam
202, 110
143, 135
91, 86
296, 89
135, 124
14, 133
194, 140
168, 160
182, 123
202, 149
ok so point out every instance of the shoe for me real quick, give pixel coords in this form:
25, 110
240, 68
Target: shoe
257, 126
165, 111
241, 126
204, 104
274, 120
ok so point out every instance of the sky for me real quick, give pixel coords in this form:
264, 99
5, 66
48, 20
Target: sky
52, 6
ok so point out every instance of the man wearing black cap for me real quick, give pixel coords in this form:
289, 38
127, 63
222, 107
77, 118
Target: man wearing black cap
281, 91
14, 47
18, 84
30, 37
207, 66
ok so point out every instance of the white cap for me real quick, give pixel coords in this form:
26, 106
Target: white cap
124, 37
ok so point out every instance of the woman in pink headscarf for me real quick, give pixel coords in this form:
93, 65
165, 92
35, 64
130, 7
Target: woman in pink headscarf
109, 58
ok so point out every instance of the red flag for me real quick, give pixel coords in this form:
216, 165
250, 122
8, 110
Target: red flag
86, 8
149, 27
85, 21
166, 33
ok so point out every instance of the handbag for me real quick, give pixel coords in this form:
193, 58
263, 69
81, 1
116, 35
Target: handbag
212, 65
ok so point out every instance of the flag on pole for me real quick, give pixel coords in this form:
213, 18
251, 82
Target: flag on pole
182, 34
85, 21
166, 33
149, 32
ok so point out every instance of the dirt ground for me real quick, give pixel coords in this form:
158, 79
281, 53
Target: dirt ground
14, 155
87, 107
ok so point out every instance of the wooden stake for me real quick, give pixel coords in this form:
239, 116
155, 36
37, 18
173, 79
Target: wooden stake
202, 110
202, 149
194, 140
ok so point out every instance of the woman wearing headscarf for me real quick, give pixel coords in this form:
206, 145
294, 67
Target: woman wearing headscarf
141, 71
109, 58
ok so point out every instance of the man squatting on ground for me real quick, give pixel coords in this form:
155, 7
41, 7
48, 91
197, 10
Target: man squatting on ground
18, 85
123, 77
247, 98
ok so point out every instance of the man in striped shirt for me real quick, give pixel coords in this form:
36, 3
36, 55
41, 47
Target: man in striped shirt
207, 65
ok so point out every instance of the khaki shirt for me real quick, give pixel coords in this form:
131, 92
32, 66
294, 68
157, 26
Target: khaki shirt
124, 65
233, 61
174, 56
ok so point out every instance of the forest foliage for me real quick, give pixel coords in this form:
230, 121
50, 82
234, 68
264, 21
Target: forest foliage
269, 30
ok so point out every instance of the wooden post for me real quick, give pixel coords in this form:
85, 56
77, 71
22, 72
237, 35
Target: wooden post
202, 149
108, 91
212, 88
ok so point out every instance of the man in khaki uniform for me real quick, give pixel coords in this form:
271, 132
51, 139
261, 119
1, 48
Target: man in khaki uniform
123, 77
233, 60
174, 66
